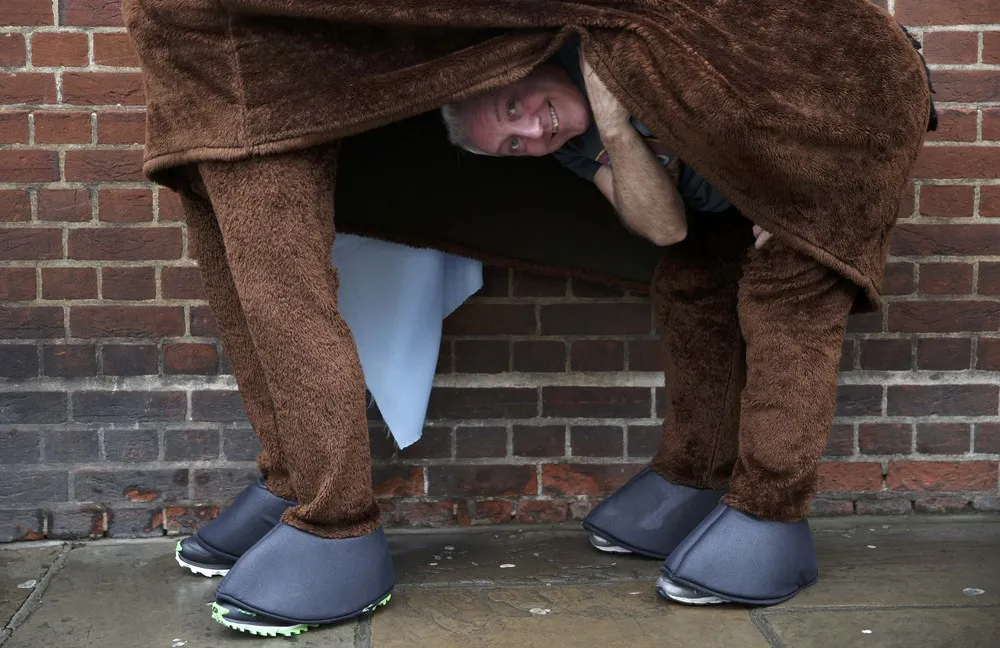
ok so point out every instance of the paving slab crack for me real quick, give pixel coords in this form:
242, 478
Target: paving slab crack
34, 600
759, 621
363, 633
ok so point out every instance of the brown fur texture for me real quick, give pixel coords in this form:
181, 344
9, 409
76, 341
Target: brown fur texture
753, 341
262, 233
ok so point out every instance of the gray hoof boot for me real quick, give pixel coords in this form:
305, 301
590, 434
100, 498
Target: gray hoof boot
649, 516
292, 580
742, 559
216, 547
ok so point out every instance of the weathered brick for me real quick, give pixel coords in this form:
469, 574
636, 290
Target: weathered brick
143, 486
63, 127
21, 524
128, 407
988, 438
989, 278
959, 162
12, 50
90, 13
115, 50
17, 284
942, 400
941, 504
597, 355
133, 284
434, 443
643, 440
13, 123
18, 361
596, 402
473, 481
945, 278
398, 481
532, 285
885, 438
943, 438
542, 511
190, 445
886, 355
491, 319
821, 507
944, 354
71, 205
596, 441
596, 319
482, 403
917, 239
586, 479
539, 441
103, 89
187, 519
133, 446
968, 12
424, 514
112, 165
182, 283
479, 512
71, 446
121, 127
30, 488
125, 205
32, 407
884, 507
991, 47
15, 206
77, 523
69, 283
989, 201
840, 441
955, 125
41, 322
31, 244
480, 442
240, 444
544, 356
222, 483
482, 356
145, 522
27, 88
943, 316
19, 447
125, 244
859, 400
953, 47
942, 476
191, 359
949, 201
129, 360
844, 477
645, 355
126, 321
69, 360
220, 406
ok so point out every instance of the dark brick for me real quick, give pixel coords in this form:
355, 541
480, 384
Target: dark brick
532, 285
820, 507
590, 289
616, 318
482, 403
478, 512
129, 407
19, 447
945, 278
31, 244
944, 354
597, 355
135, 284
33, 488
77, 523
125, 243
645, 355
71, 446
131, 445
144, 522
240, 444
942, 400
69, 283
988, 438
382, 444
540, 356
131, 485
483, 481
187, 519
221, 406
884, 507
32, 407
445, 359
130, 360
126, 321
865, 323
223, 483
21, 524
69, 360
31, 322
596, 441
899, 278
539, 441
203, 322
943, 316
482, 356
491, 319
496, 282
885, 438
988, 354
542, 511
662, 402
64, 204
941, 504
424, 514
190, 445
859, 400
886, 355
644, 440
182, 283
596, 402
586, 479
18, 284
943, 438
18, 361
480, 442
840, 442
190, 359
398, 481
434, 443
848, 355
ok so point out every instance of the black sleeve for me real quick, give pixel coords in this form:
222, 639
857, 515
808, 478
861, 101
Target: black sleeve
578, 164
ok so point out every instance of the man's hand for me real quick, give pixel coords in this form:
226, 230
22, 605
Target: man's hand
609, 114
761, 235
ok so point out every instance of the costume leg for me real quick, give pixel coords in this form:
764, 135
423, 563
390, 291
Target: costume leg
695, 298
327, 560
756, 547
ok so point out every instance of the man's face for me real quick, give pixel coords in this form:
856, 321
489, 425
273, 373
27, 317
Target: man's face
533, 116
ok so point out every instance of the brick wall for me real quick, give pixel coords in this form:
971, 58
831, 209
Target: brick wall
118, 414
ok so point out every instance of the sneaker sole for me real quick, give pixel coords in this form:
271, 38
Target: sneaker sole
599, 543
195, 568
706, 599
218, 614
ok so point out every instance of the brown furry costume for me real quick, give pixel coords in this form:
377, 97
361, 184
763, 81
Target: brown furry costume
807, 116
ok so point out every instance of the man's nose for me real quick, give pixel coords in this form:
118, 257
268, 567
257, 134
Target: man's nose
529, 126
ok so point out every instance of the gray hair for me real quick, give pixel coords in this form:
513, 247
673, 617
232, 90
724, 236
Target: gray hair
451, 114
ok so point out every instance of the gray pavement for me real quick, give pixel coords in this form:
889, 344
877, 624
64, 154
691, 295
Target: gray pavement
910, 582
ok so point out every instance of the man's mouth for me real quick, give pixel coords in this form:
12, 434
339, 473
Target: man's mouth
555, 119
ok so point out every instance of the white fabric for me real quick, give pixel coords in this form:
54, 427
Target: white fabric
394, 298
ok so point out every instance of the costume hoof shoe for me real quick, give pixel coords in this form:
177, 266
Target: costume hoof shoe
184, 555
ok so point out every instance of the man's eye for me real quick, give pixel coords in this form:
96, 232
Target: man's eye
515, 144
510, 107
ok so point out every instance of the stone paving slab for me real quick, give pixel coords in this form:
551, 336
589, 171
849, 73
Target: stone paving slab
18, 569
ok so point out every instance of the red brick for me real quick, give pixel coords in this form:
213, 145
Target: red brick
482, 356
424, 514
940, 504
942, 476
532, 285
908, 201
31, 244
16, 323
951, 47
943, 316
12, 50
580, 509
615, 318
910, 239
944, 354
478, 512
991, 123
90, 13
398, 481
988, 354
26, 12
69, 360
886, 355
840, 441
50, 49
847, 355
943, 438
17, 284
203, 323
121, 127
170, 208
481, 480
942, 400
480, 442
15, 205
72, 205
115, 50
62, 128
955, 125
126, 321
192, 359
946, 278
128, 283
597, 355
182, 283
187, 519
125, 205
899, 278
959, 161
962, 12
596, 402
129, 360
989, 201
125, 244
103, 89
991, 47
951, 201
885, 438
69, 283
540, 355
491, 319
586, 479
838, 477
24, 165
27, 88
542, 511
104, 166
988, 438
14, 127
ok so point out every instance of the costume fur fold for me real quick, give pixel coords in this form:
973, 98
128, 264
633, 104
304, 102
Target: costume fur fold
806, 115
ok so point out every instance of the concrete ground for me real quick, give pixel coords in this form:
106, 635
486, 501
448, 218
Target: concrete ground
910, 582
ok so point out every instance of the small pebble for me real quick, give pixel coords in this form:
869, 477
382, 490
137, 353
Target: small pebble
973, 591
433, 564
507, 566
27, 584
872, 547
449, 548
177, 643
866, 632
540, 611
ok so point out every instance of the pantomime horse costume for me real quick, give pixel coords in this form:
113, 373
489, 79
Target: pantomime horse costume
807, 115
